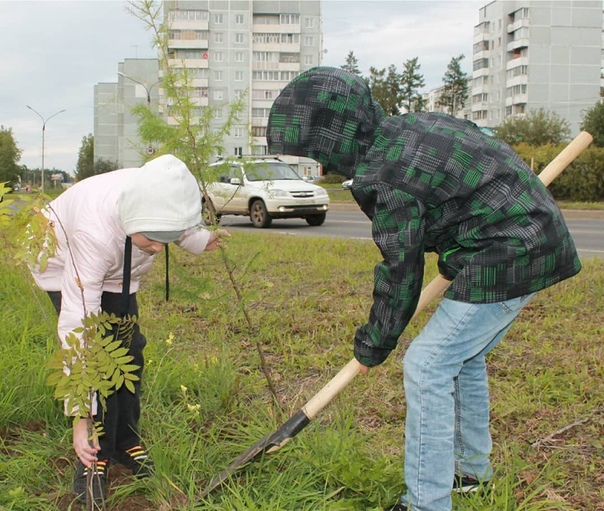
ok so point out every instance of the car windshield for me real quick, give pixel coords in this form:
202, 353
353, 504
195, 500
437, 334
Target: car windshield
273, 171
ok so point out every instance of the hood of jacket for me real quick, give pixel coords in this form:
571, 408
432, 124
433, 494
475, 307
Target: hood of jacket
326, 114
160, 196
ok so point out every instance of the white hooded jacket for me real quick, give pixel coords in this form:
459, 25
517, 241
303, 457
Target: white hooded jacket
92, 219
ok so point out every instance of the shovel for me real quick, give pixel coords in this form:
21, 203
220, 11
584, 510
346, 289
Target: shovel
274, 441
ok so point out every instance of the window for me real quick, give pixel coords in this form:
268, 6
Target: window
218, 37
309, 40
239, 38
238, 132
259, 131
199, 92
290, 38
218, 56
265, 38
219, 18
218, 94
238, 19
260, 112
480, 64
238, 151
289, 58
289, 19
238, 93
266, 19
188, 15
218, 76
188, 54
309, 22
265, 56
239, 57
187, 35
308, 60
238, 76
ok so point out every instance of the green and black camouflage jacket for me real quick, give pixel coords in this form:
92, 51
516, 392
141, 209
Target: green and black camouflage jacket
429, 183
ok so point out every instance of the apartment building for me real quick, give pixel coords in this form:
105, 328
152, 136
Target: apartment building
230, 48
531, 54
251, 47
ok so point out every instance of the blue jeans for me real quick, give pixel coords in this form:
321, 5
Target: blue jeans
447, 395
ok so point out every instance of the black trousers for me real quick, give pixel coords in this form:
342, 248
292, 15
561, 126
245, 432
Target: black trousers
120, 419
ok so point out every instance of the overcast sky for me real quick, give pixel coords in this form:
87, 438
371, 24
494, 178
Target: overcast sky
52, 53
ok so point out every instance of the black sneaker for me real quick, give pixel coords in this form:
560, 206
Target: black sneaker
99, 482
136, 459
468, 484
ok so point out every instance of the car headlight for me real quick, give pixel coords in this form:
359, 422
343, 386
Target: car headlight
277, 193
322, 192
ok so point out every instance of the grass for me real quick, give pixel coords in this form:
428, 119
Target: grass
206, 399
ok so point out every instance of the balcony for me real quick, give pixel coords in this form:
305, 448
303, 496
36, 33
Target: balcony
186, 44
277, 28
277, 47
189, 63
515, 62
512, 27
517, 100
189, 25
523, 42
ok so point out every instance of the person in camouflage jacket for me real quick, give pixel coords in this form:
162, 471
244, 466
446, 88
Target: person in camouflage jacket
430, 182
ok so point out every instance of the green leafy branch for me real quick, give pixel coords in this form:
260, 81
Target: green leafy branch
92, 360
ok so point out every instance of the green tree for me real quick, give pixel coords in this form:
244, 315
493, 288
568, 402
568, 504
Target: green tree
539, 127
410, 82
455, 88
385, 88
101, 166
85, 165
352, 64
10, 154
593, 122
182, 128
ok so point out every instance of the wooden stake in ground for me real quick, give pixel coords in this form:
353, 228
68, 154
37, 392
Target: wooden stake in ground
274, 441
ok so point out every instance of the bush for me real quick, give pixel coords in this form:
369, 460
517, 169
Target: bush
333, 179
582, 181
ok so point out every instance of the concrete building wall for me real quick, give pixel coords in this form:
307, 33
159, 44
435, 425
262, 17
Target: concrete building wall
115, 127
531, 54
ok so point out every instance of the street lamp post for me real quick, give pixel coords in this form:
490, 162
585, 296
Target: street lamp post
147, 89
44, 121
150, 149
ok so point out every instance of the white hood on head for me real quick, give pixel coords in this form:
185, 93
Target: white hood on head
162, 195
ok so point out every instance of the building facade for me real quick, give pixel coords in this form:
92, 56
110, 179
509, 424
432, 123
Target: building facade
237, 47
115, 128
230, 49
532, 54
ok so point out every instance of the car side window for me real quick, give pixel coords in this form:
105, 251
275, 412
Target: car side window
234, 172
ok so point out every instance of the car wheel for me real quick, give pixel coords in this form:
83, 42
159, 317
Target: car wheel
259, 215
316, 220
206, 213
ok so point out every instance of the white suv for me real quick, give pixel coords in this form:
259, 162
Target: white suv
264, 189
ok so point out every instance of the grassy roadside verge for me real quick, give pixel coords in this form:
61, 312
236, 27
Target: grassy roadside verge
206, 399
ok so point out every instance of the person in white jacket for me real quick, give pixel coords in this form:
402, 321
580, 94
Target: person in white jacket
93, 220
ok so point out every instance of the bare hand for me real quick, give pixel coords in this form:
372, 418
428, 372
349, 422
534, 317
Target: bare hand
81, 445
216, 239
364, 370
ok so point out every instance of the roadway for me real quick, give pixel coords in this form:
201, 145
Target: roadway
347, 221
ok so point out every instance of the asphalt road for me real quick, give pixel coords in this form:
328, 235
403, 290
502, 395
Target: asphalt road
347, 221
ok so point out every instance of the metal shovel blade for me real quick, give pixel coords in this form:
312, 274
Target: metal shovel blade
267, 444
